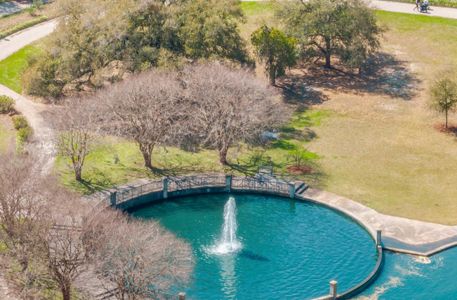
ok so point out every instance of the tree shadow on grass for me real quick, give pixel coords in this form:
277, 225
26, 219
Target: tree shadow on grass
176, 169
98, 181
296, 90
383, 74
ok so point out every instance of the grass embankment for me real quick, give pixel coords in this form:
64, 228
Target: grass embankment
115, 162
12, 67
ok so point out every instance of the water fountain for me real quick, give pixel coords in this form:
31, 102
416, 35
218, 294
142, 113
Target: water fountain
228, 243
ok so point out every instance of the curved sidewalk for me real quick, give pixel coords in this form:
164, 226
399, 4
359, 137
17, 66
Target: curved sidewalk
398, 234
17, 41
410, 8
401, 7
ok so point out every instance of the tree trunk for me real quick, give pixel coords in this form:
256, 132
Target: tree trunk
223, 155
78, 174
447, 118
146, 150
328, 53
65, 289
328, 60
272, 76
147, 156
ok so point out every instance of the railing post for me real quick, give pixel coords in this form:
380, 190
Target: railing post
292, 190
379, 237
333, 289
228, 183
165, 188
182, 296
112, 198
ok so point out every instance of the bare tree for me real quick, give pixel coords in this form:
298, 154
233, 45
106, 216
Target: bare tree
75, 121
23, 213
231, 105
66, 256
145, 109
142, 260
66, 253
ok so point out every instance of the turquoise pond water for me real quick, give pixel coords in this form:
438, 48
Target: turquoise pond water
290, 250
410, 277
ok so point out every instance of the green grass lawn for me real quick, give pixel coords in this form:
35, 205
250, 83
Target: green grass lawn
11, 68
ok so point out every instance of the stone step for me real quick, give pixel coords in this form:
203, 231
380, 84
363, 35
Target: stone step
300, 187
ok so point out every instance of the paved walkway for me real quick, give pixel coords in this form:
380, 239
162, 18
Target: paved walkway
398, 234
17, 41
42, 142
401, 7
42, 145
410, 8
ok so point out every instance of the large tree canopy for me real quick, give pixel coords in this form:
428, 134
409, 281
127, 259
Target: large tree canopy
325, 28
97, 41
275, 49
210, 28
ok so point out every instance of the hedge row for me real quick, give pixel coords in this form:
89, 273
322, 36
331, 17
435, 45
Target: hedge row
22, 26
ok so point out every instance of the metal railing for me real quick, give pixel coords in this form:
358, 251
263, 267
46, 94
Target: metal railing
262, 184
195, 181
172, 184
136, 191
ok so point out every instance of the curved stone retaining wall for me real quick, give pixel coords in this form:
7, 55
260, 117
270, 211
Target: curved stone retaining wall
147, 192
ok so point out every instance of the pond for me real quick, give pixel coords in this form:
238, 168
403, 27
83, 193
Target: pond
413, 277
265, 247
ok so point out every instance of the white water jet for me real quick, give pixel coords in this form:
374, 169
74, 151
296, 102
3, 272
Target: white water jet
228, 243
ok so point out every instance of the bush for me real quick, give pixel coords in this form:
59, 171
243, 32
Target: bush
6, 104
40, 78
24, 134
20, 122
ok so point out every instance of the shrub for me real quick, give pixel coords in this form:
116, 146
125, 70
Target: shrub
6, 104
20, 122
24, 135
40, 78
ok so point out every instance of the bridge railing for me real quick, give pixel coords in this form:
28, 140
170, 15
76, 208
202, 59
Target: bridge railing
171, 184
195, 181
136, 191
262, 184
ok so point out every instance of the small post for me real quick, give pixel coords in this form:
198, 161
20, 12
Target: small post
333, 289
379, 237
228, 183
182, 296
165, 188
292, 190
112, 198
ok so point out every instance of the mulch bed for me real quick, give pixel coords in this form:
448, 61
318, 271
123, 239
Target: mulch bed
452, 129
299, 170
